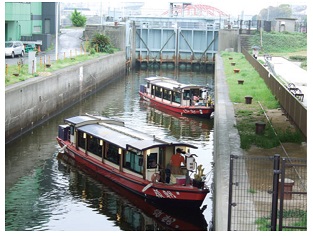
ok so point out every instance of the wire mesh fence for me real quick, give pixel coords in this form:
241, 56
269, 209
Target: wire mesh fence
264, 197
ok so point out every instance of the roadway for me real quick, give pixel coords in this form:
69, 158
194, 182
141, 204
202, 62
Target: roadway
291, 72
70, 40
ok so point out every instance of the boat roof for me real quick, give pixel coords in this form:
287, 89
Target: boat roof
91, 119
79, 119
171, 84
120, 135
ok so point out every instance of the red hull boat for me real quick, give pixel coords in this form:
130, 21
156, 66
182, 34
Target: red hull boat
168, 94
134, 160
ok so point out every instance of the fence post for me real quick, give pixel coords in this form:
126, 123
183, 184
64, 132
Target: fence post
230, 193
281, 206
276, 172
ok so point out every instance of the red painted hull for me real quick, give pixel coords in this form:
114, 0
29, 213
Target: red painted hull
202, 111
160, 193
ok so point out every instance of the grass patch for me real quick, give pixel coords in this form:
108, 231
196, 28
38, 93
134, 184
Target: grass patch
280, 42
248, 114
62, 62
264, 223
299, 219
252, 190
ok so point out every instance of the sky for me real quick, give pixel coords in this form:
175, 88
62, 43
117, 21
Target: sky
232, 7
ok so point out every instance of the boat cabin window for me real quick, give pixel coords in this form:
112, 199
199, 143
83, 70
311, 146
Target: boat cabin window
93, 145
176, 97
112, 154
81, 140
158, 92
152, 161
186, 94
132, 162
195, 93
166, 95
72, 129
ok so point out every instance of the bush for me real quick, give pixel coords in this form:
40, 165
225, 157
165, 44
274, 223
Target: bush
92, 51
101, 43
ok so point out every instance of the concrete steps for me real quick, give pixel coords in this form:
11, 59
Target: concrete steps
244, 41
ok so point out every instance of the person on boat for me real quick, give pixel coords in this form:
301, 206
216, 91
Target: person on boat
176, 161
196, 98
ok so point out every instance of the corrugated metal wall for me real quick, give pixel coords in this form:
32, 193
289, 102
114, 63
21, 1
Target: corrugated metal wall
294, 109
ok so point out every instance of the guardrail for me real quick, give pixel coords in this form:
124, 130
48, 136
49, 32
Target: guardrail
292, 106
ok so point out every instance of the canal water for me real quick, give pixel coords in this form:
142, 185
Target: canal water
43, 193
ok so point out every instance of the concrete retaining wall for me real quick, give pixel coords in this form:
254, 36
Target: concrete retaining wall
35, 100
226, 142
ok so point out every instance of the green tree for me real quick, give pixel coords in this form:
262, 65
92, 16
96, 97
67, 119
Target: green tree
283, 10
78, 19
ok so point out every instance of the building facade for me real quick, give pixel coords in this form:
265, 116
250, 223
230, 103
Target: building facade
30, 21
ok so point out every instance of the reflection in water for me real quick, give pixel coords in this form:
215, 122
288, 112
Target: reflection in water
179, 126
127, 210
43, 194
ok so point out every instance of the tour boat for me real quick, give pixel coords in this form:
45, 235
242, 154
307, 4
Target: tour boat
134, 160
169, 94
169, 219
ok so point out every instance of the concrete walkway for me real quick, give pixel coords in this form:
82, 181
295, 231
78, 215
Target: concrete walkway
226, 143
290, 72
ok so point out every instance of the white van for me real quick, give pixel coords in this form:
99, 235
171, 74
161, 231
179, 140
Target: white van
13, 48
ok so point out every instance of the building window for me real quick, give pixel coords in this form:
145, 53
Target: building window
37, 29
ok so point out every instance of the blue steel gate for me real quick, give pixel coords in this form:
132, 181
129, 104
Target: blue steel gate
176, 40
267, 193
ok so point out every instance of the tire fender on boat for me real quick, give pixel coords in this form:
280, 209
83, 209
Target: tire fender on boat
147, 186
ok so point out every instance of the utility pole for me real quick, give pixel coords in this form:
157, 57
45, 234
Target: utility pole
56, 30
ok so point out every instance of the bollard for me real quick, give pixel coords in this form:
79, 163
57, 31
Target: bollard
233, 63
236, 70
248, 99
259, 127
240, 81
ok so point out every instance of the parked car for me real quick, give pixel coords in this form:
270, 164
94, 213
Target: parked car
13, 48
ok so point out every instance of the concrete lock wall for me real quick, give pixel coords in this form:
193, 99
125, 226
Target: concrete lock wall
228, 38
35, 100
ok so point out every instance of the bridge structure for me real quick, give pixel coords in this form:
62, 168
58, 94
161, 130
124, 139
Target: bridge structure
175, 41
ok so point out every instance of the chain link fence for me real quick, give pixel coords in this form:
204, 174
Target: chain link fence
267, 193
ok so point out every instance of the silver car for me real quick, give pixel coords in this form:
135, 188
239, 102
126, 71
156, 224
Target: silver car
13, 48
